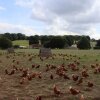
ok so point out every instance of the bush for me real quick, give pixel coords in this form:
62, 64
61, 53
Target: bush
98, 43
97, 47
16, 46
84, 43
57, 42
47, 45
5, 43
69, 40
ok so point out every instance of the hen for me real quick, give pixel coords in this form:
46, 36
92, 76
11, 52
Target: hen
74, 91
56, 90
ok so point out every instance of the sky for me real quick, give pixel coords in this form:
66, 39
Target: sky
51, 17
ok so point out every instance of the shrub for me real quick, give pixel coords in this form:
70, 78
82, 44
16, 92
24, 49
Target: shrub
97, 47
98, 43
5, 43
57, 42
16, 46
84, 43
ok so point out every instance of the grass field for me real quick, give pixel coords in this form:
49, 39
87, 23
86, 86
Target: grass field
21, 42
15, 87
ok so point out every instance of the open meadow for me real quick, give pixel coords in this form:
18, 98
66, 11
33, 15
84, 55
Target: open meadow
26, 76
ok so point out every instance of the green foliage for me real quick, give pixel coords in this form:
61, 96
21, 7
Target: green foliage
13, 36
33, 39
84, 43
16, 46
56, 42
69, 40
21, 36
47, 44
97, 47
5, 43
98, 43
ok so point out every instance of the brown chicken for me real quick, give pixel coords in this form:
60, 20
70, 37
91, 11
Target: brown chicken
39, 98
82, 97
74, 91
12, 72
6, 71
56, 90
29, 77
85, 74
38, 66
22, 81
33, 66
90, 84
75, 77
51, 77
95, 71
66, 77
80, 81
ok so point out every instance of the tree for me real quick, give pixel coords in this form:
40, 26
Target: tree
8, 35
14, 36
98, 43
84, 43
5, 43
21, 36
57, 42
33, 40
69, 40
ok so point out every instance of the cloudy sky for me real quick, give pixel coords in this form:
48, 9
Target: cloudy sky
51, 17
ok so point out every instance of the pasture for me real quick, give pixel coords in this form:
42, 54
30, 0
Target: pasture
24, 76
21, 42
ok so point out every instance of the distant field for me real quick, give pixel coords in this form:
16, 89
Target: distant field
21, 42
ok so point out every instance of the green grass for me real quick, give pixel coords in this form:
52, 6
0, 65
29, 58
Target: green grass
21, 42
10, 88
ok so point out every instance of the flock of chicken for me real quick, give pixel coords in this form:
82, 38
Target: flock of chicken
80, 75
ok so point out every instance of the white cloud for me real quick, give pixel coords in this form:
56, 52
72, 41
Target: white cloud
5, 27
62, 16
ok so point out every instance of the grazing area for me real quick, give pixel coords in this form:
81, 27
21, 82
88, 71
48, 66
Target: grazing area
21, 42
67, 75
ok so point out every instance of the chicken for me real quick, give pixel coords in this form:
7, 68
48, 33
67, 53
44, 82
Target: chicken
95, 71
22, 81
12, 72
33, 66
90, 84
92, 66
14, 67
37, 66
51, 76
6, 71
98, 69
66, 77
74, 91
33, 75
29, 77
17, 62
85, 74
80, 81
41, 58
39, 98
75, 77
39, 75
56, 90
82, 97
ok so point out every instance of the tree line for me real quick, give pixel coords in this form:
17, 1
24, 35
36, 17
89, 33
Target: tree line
82, 42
